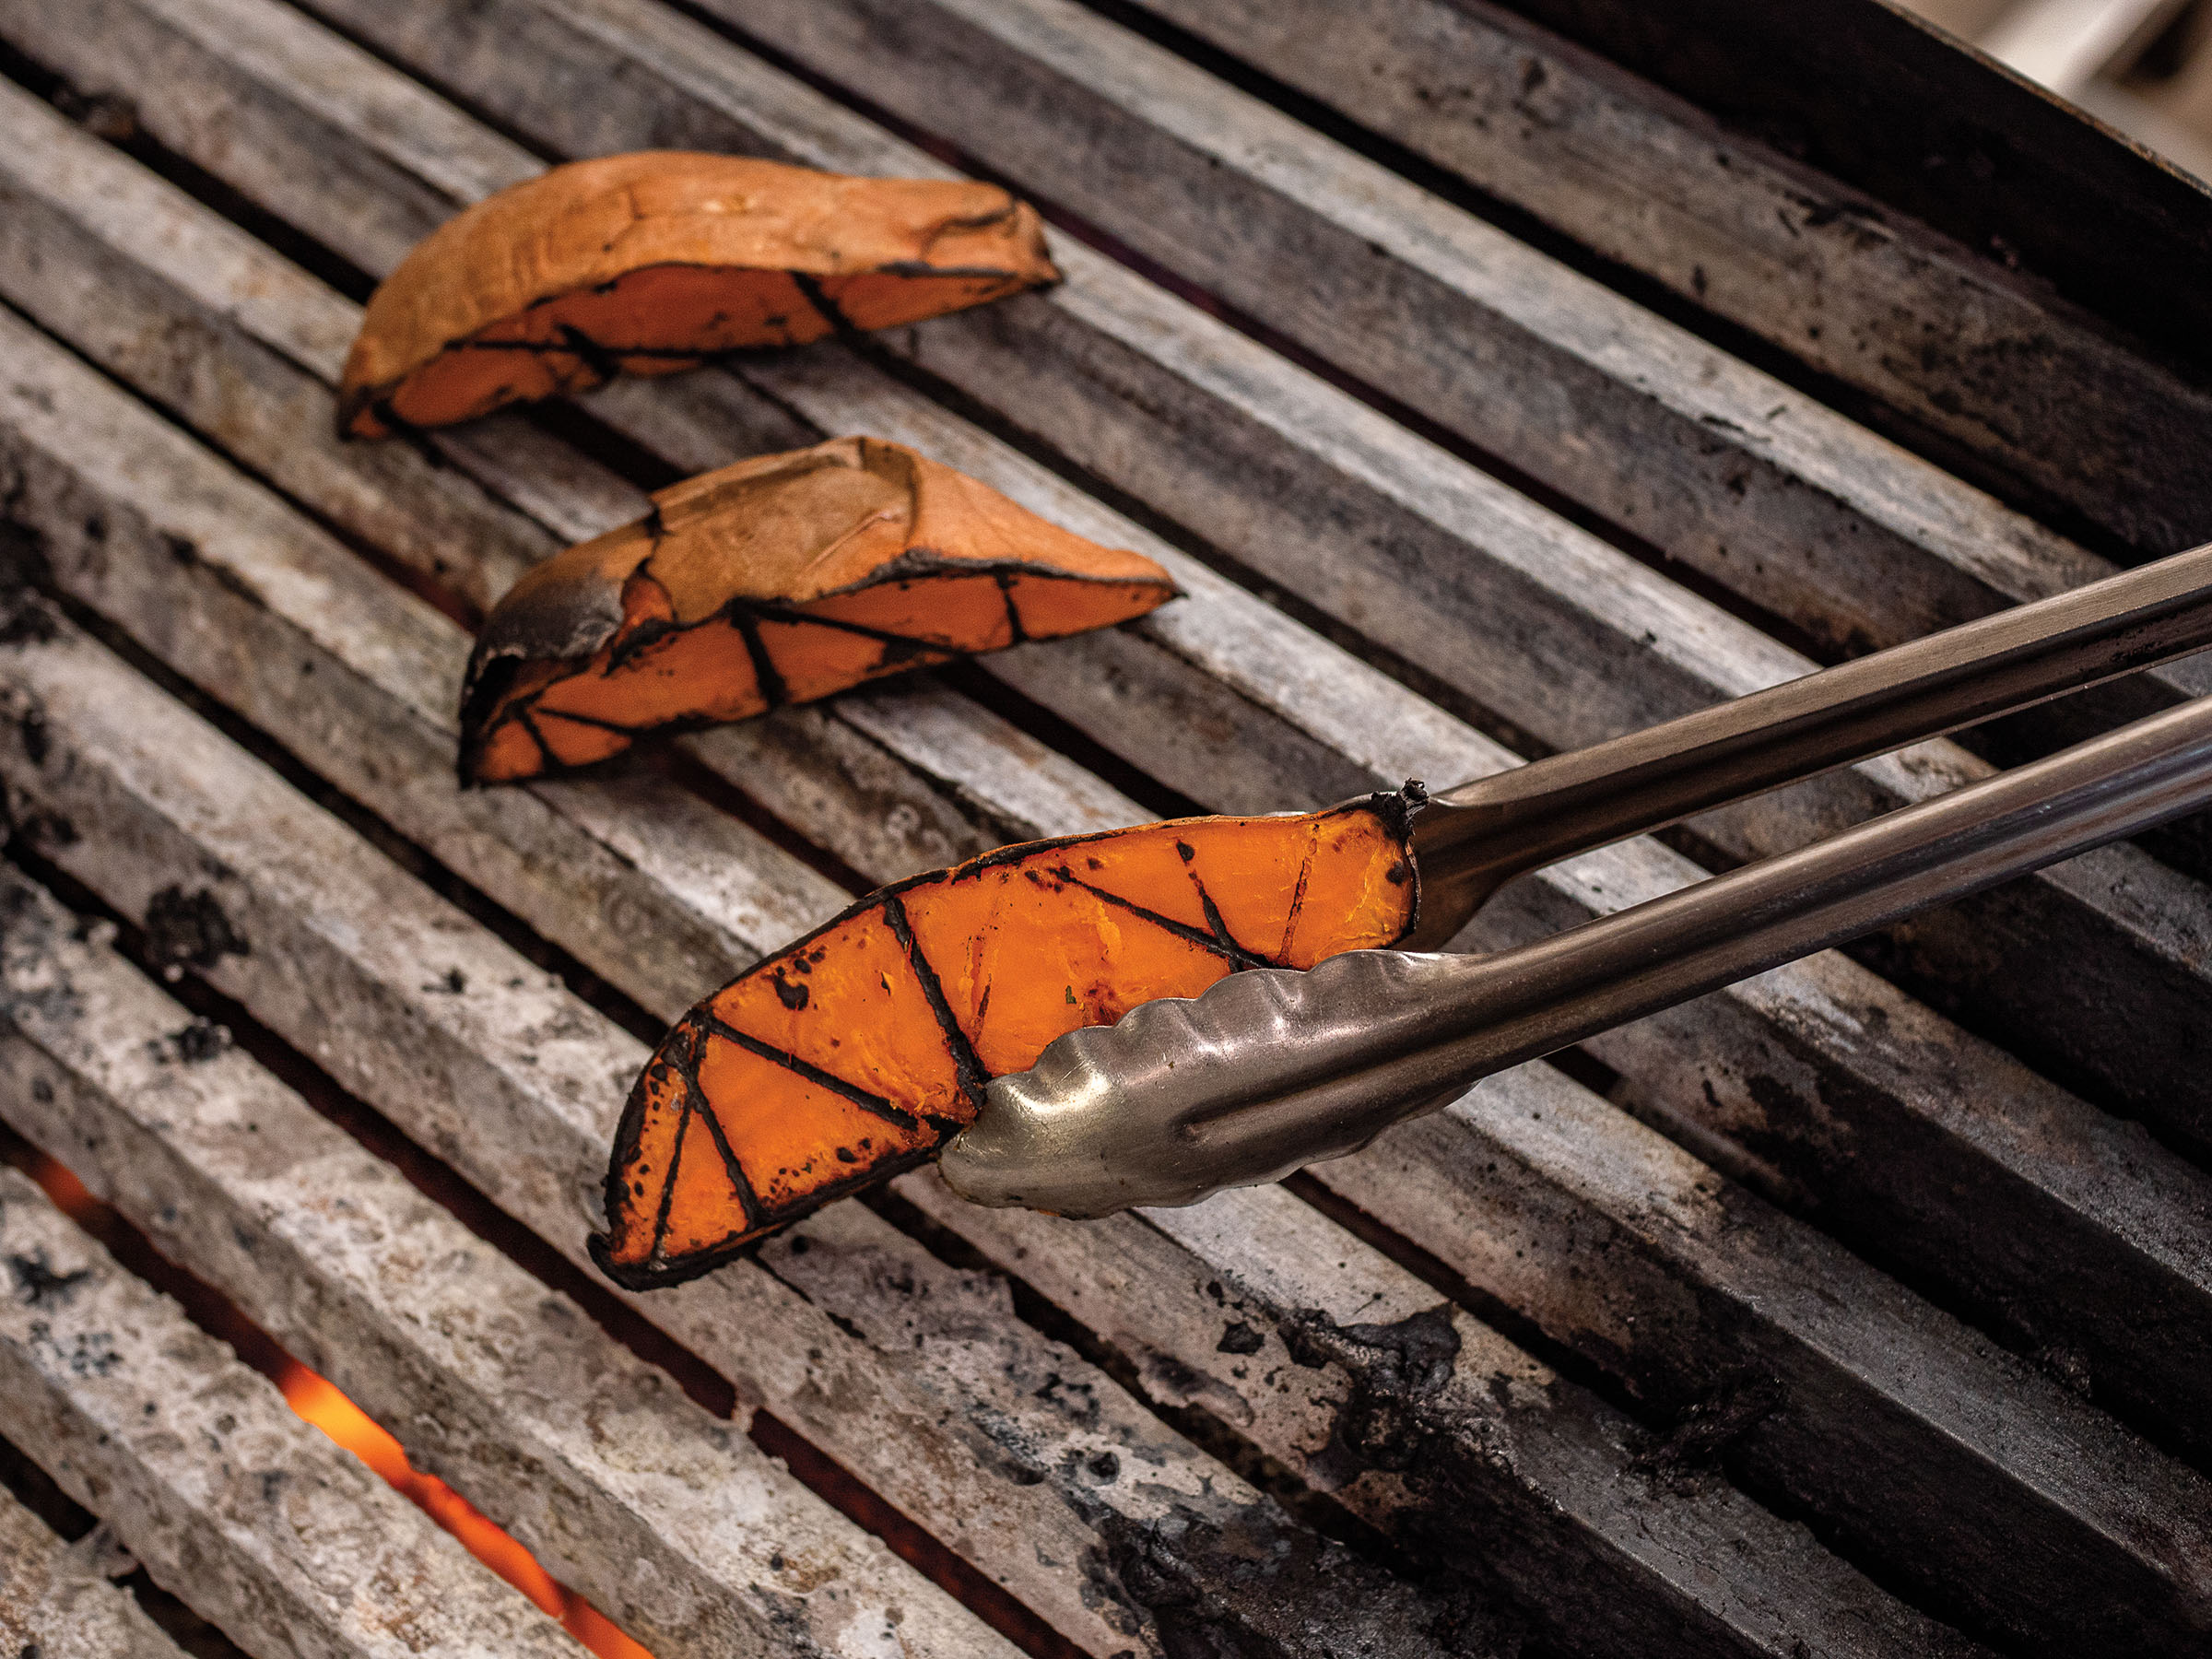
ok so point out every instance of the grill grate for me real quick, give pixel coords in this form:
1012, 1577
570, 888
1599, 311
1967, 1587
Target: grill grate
1472, 396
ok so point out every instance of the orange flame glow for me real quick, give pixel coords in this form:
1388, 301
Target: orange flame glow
317, 1400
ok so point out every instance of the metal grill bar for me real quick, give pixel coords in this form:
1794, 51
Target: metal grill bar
207, 1477
508, 1391
2069, 1160
52, 1600
1847, 1057
1967, 1480
1950, 338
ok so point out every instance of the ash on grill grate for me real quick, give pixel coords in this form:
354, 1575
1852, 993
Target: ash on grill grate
184, 491
56, 1601
208, 1477
503, 1389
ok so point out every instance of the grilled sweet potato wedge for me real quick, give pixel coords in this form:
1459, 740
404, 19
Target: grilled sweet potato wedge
862, 1049
778, 580
654, 262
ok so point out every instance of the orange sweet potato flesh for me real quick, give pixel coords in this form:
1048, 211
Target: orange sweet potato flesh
777, 580
656, 261
859, 1050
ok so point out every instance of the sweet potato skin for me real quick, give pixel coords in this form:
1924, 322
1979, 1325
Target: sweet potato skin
656, 261
857, 1052
782, 579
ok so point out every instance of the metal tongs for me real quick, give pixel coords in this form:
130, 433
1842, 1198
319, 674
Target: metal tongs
1272, 1070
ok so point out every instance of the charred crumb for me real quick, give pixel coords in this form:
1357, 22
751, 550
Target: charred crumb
47, 830
1398, 807
194, 1045
108, 116
1239, 1339
38, 1285
1079, 1400
189, 929
26, 619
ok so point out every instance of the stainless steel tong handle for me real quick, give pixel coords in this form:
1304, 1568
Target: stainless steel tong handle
1469, 841
1272, 1070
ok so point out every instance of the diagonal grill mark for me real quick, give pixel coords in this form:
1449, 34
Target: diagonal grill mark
1017, 634
1237, 953
656, 1248
973, 1078
392, 418
589, 353
686, 1061
829, 310
745, 616
773, 691
1219, 943
809, 1071
771, 610
591, 719
545, 749
643, 637
1298, 897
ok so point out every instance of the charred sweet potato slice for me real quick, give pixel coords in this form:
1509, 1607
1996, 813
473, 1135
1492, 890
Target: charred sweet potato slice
857, 1052
649, 262
778, 580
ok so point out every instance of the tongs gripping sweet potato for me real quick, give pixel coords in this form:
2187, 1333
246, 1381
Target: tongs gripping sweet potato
860, 1050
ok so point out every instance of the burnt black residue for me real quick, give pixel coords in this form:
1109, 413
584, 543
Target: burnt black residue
1413, 1357
1470, 1524
1246, 1581
1705, 1429
1394, 1369
46, 831
199, 1043
26, 620
38, 1285
190, 930
1237, 1337
1221, 1579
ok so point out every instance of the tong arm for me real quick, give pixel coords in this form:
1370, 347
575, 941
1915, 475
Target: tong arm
1271, 1070
1469, 841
